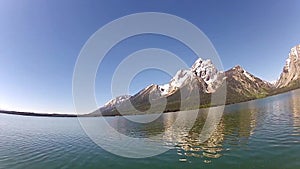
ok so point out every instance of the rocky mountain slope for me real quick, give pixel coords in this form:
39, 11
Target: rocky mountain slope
243, 86
291, 71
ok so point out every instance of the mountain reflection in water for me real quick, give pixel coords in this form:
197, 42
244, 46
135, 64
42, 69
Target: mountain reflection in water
234, 128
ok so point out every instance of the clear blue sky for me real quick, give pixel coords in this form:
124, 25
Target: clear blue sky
40, 41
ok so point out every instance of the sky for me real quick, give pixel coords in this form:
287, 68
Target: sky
40, 41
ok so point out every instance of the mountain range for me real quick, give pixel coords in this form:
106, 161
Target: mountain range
204, 79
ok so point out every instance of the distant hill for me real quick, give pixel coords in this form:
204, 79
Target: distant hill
37, 114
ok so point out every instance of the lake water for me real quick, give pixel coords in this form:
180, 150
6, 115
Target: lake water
263, 133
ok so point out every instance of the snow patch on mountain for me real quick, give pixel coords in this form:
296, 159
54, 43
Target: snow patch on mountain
164, 89
294, 52
117, 101
248, 76
244, 72
181, 78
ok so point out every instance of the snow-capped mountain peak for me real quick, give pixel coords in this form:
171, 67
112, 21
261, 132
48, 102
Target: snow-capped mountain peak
205, 70
202, 70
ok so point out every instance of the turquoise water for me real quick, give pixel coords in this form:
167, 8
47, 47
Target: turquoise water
263, 133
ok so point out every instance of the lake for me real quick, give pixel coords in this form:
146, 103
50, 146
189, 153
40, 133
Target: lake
263, 133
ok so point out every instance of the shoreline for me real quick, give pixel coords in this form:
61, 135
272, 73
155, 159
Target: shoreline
89, 115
